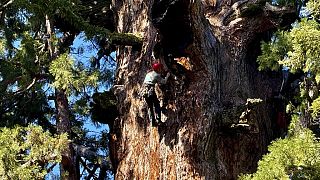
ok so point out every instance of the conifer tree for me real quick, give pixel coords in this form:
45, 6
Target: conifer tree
42, 83
295, 52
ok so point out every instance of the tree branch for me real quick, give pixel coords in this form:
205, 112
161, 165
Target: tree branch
5, 5
234, 8
34, 80
86, 152
87, 168
125, 39
51, 167
22, 90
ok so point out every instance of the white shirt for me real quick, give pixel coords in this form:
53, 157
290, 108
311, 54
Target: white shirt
153, 77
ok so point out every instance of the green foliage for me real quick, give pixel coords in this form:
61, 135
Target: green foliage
296, 156
20, 87
2, 47
314, 8
67, 76
315, 107
305, 51
26, 152
27, 69
299, 51
274, 52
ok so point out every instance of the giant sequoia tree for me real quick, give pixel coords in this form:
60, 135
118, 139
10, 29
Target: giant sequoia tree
221, 112
215, 86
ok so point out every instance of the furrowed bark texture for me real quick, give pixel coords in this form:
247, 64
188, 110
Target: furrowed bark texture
205, 98
68, 168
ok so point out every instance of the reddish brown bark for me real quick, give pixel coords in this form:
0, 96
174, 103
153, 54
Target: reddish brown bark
68, 169
198, 140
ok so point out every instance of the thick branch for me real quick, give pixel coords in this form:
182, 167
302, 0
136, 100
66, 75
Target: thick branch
125, 39
26, 88
234, 8
87, 168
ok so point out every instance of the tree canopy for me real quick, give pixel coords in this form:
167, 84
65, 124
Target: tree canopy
29, 152
295, 52
38, 66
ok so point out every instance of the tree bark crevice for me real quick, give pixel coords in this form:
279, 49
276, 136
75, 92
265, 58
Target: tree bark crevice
192, 144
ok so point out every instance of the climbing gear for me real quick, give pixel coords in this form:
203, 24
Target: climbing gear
157, 66
147, 90
154, 110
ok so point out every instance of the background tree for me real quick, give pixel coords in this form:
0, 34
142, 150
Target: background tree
294, 157
29, 152
296, 51
41, 83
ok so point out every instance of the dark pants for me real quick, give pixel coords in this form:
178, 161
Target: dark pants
154, 110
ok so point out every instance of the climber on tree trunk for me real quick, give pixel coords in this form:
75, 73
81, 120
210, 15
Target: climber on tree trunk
152, 78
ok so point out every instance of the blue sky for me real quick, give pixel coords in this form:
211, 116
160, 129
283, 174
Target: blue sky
88, 50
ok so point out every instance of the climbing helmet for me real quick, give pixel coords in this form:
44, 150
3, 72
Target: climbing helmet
157, 66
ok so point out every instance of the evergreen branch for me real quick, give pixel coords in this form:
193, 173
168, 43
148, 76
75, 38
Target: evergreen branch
20, 91
125, 39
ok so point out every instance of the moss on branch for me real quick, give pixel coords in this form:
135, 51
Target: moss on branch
125, 39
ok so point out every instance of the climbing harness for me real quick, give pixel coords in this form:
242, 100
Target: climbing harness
147, 90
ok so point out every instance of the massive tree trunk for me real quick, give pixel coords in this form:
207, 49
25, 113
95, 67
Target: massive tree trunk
208, 96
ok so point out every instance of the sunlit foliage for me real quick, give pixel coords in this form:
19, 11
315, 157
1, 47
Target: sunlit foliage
69, 77
297, 156
275, 51
29, 152
298, 50
314, 8
36, 60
